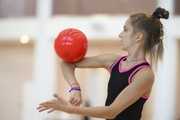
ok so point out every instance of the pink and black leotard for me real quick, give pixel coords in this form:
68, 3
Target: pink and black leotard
120, 79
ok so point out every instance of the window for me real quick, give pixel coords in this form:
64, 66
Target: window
83, 7
17, 8
176, 7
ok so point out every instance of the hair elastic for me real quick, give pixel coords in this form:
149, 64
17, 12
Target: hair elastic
75, 89
74, 84
156, 14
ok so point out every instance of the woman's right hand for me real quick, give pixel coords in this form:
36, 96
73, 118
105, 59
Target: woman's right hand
75, 98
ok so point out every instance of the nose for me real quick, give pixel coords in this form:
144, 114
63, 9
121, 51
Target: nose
120, 34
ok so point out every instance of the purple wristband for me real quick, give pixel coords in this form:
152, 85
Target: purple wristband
75, 89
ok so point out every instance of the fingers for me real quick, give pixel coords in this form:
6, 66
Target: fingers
75, 101
75, 98
46, 103
46, 106
56, 104
57, 96
50, 111
43, 108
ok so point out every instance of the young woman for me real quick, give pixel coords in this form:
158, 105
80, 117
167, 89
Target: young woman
131, 76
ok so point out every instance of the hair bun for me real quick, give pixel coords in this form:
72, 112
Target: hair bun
161, 13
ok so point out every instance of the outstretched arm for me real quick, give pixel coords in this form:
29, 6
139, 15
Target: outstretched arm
62, 105
141, 85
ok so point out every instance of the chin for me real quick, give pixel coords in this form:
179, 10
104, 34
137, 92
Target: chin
122, 47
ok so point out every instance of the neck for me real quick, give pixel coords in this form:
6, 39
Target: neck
136, 57
135, 60
136, 53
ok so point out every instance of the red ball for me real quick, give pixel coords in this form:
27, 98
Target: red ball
71, 45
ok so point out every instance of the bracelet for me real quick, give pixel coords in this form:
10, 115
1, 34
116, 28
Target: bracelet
75, 89
74, 84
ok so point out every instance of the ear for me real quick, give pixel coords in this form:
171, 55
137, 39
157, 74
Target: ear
139, 37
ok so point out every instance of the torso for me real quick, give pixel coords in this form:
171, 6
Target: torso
121, 76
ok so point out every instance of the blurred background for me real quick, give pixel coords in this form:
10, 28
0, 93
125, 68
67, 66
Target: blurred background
29, 67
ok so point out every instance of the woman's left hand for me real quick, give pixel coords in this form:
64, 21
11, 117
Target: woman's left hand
55, 104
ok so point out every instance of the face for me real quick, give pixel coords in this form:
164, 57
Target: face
126, 37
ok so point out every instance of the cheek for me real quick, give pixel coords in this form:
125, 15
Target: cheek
126, 40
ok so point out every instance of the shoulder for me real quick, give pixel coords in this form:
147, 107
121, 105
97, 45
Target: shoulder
144, 76
108, 59
147, 72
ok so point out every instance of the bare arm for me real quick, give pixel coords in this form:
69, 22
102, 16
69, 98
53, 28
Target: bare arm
99, 61
141, 84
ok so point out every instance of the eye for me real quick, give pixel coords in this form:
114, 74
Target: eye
125, 29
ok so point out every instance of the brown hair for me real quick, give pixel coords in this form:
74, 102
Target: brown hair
152, 28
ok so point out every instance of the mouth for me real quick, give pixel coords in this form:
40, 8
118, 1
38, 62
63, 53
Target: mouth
121, 42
